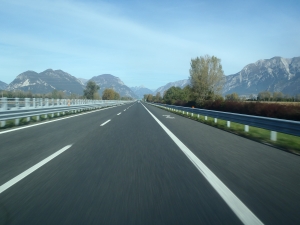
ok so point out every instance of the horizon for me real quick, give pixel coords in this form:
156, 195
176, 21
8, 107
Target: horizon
149, 43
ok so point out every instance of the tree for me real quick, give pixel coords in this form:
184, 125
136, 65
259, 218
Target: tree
158, 97
232, 97
264, 96
172, 95
206, 77
110, 94
91, 89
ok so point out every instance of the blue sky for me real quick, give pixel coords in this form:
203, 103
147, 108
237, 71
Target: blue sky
144, 42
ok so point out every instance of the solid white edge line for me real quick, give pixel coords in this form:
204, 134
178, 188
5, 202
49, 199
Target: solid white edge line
105, 123
54, 120
119, 114
236, 205
16, 179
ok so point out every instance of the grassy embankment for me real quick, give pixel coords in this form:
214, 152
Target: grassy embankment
284, 141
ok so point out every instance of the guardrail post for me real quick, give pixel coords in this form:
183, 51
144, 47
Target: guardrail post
17, 103
28, 119
38, 118
198, 116
33, 103
216, 120
47, 102
192, 114
27, 103
205, 117
17, 121
4, 103
273, 136
2, 123
228, 123
246, 128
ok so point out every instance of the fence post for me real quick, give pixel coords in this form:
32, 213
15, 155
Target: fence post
246, 128
198, 115
205, 117
4, 104
273, 136
216, 120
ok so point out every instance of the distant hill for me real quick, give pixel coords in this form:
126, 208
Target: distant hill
3, 85
140, 91
110, 81
180, 83
275, 75
46, 82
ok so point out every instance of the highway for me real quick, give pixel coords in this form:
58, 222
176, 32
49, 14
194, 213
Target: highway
138, 164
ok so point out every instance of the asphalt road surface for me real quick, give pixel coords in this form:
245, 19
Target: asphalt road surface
138, 164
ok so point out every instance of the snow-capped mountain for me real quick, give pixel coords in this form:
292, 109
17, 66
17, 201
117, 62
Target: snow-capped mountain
140, 91
46, 82
110, 81
275, 75
180, 83
3, 85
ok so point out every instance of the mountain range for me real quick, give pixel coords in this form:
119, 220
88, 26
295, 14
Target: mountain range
140, 91
46, 82
275, 75
110, 81
3, 85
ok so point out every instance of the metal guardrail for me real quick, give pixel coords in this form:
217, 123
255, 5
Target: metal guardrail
15, 109
272, 124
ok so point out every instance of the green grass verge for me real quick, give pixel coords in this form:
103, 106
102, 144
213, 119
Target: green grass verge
284, 141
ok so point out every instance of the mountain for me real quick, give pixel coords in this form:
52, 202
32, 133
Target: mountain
46, 82
141, 91
180, 83
110, 81
275, 75
3, 85
83, 81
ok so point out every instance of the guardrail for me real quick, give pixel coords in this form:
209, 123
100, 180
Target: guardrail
272, 124
17, 108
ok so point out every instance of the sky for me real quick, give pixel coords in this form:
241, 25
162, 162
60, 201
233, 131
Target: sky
143, 42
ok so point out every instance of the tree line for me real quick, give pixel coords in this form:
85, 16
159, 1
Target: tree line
207, 80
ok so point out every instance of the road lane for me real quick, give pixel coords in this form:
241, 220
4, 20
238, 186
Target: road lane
126, 172
21, 149
264, 178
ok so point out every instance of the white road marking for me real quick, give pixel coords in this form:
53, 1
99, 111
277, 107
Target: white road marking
118, 113
54, 120
236, 205
124, 110
16, 179
105, 123
168, 117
